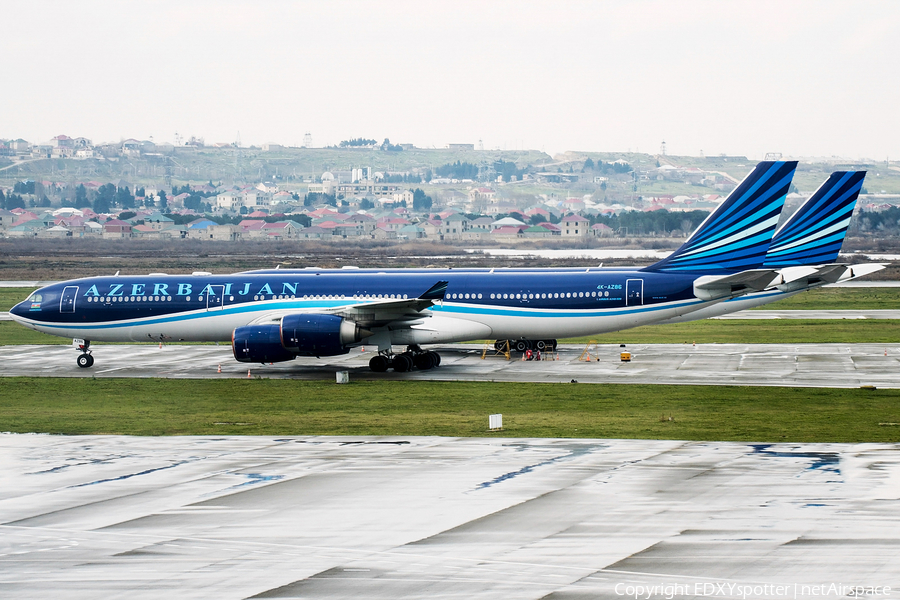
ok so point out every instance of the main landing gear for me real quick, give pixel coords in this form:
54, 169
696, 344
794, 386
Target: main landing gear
525, 345
84, 360
401, 363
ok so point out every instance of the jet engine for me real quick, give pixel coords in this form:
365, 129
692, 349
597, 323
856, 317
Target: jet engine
298, 335
319, 335
259, 344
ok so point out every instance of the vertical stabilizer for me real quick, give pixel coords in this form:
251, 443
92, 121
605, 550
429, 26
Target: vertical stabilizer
814, 234
736, 236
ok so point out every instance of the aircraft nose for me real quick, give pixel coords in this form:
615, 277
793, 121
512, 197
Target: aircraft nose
20, 309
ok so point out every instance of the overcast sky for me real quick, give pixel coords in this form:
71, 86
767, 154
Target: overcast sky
802, 78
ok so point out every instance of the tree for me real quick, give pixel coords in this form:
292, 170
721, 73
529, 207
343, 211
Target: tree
366, 204
124, 197
2, 200
106, 198
81, 199
24, 187
163, 201
194, 202
589, 164
101, 204
458, 170
421, 202
14, 201
357, 142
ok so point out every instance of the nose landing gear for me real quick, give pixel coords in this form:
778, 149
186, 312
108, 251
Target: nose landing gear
84, 360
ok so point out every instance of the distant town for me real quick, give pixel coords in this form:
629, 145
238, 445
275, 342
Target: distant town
369, 190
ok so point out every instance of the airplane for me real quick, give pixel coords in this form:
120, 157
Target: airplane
278, 314
808, 244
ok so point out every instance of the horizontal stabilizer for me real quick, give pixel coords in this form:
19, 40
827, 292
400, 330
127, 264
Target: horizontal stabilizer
713, 287
855, 271
824, 274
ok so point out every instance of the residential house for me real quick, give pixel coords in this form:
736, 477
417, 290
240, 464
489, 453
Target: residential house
116, 228
158, 221
601, 230
574, 226
7, 219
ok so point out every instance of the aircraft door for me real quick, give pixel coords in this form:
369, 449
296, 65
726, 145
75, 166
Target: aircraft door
634, 292
67, 300
216, 299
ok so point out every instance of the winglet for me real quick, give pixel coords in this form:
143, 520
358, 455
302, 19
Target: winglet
435, 292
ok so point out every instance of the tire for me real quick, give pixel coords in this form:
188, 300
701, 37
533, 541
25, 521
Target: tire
540, 345
521, 346
379, 363
552, 345
500, 345
85, 361
437, 358
423, 361
402, 363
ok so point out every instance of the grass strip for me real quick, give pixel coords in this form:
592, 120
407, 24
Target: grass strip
288, 407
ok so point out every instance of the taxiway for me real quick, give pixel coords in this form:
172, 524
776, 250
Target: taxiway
89, 517
804, 365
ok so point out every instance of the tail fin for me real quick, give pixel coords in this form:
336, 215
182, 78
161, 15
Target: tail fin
737, 235
814, 234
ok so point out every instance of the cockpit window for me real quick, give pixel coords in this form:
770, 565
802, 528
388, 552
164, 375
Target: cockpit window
35, 299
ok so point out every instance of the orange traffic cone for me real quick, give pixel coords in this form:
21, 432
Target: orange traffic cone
220, 369
248, 373
160, 345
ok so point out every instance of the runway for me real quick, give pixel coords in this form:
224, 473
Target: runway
317, 517
795, 365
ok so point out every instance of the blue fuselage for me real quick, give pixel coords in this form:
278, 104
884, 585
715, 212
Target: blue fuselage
510, 302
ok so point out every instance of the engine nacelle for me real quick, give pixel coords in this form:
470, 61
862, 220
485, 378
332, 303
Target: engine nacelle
319, 335
259, 344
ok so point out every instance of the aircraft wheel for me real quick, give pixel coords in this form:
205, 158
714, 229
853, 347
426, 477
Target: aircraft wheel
379, 363
500, 345
521, 346
85, 361
540, 345
402, 363
552, 345
436, 357
424, 361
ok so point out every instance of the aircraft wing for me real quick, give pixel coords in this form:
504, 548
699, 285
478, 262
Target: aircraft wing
383, 312
379, 312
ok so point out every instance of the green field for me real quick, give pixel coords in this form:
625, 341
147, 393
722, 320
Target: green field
287, 407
